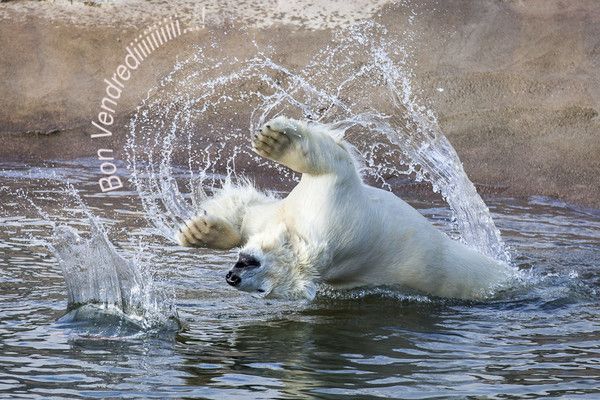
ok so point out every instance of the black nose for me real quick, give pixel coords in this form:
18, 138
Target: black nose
232, 279
246, 260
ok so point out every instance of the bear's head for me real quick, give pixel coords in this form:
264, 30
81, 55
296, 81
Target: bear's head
272, 264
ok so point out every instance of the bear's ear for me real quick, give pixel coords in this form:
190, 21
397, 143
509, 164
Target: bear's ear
310, 291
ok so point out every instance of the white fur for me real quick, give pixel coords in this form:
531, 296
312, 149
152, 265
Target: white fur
333, 228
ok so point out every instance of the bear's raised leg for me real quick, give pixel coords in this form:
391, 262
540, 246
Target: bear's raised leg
304, 148
220, 223
209, 231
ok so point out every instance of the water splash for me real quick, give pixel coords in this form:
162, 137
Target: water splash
97, 275
101, 284
203, 113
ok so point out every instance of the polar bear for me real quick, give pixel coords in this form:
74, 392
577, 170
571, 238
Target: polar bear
331, 228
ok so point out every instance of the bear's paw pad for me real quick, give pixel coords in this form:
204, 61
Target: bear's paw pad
274, 138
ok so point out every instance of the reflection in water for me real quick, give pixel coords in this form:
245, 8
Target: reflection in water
407, 351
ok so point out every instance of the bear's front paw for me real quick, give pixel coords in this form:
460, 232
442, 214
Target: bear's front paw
287, 126
194, 232
275, 138
207, 231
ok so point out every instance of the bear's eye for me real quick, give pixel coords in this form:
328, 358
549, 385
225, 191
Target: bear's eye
246, 260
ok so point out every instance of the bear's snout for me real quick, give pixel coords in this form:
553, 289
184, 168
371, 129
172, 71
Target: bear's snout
233, 279
245, 261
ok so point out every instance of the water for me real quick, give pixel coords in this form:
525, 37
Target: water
541, 339
98, 301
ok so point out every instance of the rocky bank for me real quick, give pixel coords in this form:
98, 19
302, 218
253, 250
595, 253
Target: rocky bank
515, 84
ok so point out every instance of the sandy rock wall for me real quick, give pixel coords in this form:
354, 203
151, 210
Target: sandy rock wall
515, 84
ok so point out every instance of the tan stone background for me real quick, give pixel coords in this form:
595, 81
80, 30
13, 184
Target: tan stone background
520, 79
